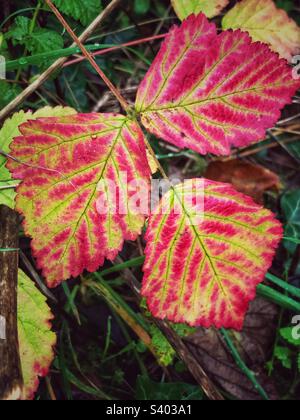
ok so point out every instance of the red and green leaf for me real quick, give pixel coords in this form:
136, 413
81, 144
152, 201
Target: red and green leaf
204, 271
265, 23
10, 130
36, 340
210, 8
208, 92
62, 163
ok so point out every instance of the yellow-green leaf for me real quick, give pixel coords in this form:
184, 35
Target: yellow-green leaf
79, 193
265, 23
36, 340
210, 8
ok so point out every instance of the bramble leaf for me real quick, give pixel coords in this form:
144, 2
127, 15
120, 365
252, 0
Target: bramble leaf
287, 334
78, 205
208, 92
265, 23
36, 340
284, 355
203, 263
38, 40
85, 11
10, 130
8, 92
210, 8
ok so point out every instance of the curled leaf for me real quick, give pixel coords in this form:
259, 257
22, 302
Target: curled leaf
203, 269
208, 92
250, 179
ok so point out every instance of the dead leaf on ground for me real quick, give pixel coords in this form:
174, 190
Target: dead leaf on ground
250, 179
254, 344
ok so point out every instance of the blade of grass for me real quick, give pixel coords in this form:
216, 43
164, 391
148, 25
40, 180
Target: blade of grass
24, 62
9, 249
242, 365
292, 290
135, 262
278, 298
71, 300
294, 240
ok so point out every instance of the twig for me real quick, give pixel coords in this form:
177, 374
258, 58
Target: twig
177, 343
89, 56
117, 47
57, 64
44, 289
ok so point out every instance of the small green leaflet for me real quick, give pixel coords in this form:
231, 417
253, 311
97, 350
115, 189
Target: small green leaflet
85, 11
38, 40
284, 355
287, 334
8, 92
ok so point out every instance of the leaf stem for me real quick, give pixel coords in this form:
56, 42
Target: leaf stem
89, 57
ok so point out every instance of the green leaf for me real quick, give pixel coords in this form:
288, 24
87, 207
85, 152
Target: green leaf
211, 8
290, 204
149, 390
287, 334
287, 5
294, 148
163, 349
8, 92
19, 30
37, 41
284, 355
36, 339
9, 131
141, 7
84, 11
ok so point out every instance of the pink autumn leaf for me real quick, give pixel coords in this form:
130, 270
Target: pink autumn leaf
202, 267
69, 167
209, 92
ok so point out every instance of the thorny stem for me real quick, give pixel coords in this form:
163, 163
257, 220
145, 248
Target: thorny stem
89, 57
